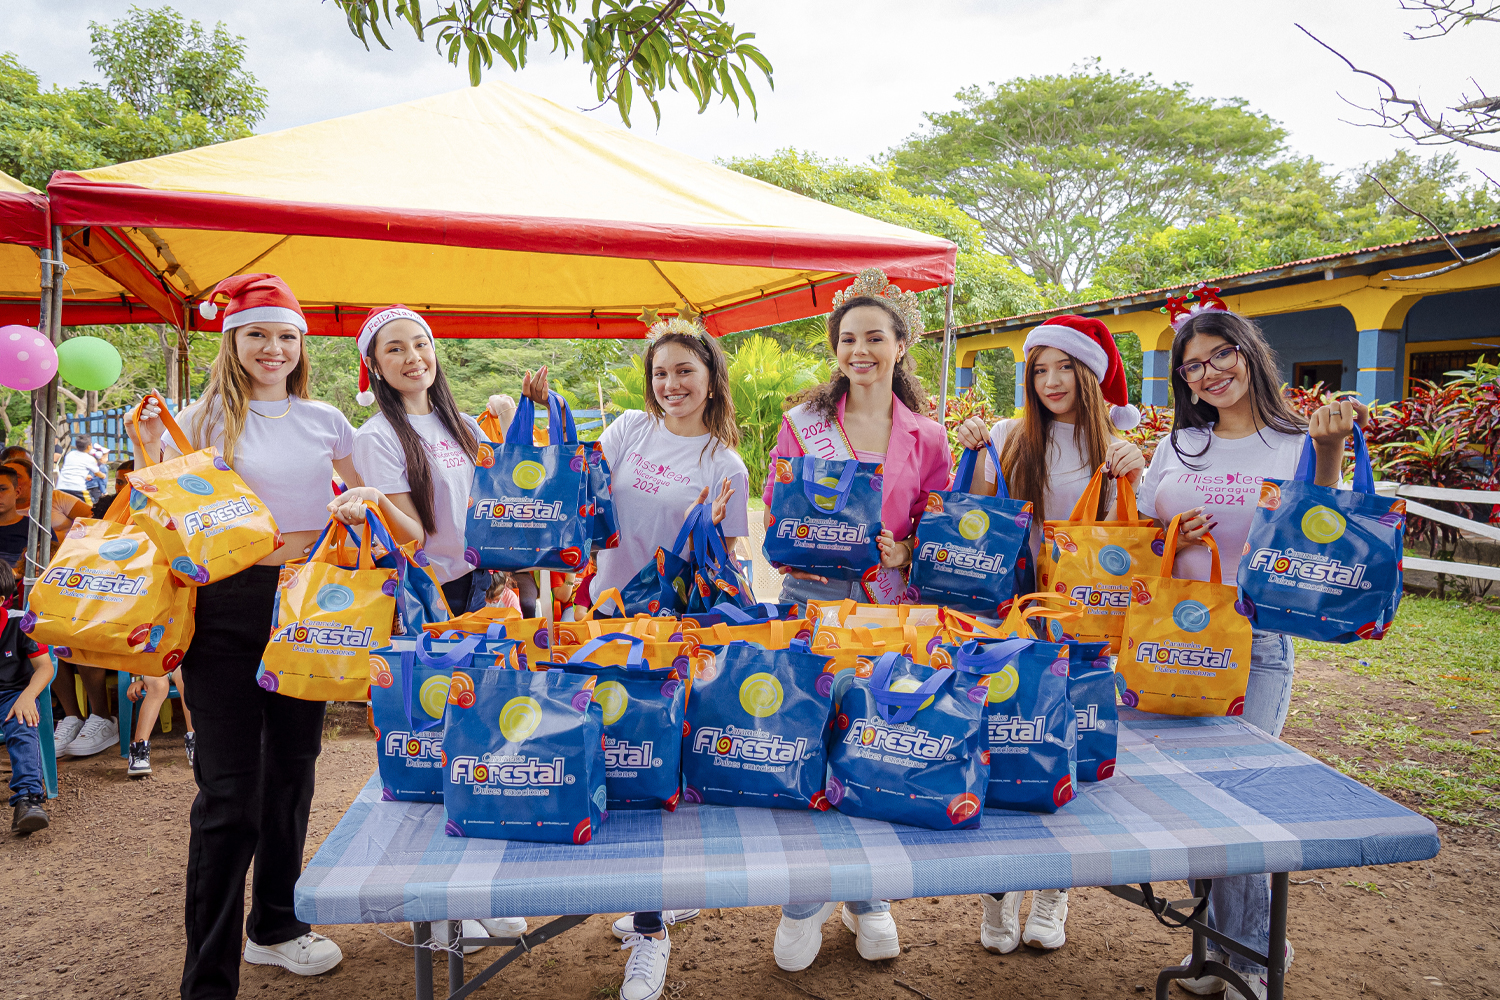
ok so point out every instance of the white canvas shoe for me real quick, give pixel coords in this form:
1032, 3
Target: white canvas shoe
1000, 930
308, 955
646, 972
624, 925
65, 733
97, 734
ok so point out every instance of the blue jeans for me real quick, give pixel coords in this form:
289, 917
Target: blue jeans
25, 747
801, 911
1240, 906
648, 922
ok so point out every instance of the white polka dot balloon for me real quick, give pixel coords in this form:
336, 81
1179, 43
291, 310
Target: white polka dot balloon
27, 359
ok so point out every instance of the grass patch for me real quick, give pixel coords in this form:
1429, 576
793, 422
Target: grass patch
1448, 649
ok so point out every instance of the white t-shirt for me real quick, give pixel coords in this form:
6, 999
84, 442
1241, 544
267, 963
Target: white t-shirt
77, 466
1226, 486
287, 460
1068, 472
655, 477
381, 463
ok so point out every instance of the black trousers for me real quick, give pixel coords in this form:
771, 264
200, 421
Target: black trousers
255, 767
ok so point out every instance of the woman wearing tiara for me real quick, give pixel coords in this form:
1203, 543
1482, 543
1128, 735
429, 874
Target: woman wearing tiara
872, 410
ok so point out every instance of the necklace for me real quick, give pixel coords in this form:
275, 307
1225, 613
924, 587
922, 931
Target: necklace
279, 415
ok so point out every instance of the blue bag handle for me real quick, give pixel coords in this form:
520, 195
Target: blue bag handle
989, 657
559, 415
963, 479
689, 525
1364, 473
462, 651
634, 660
738, 615
838, 494
901, 706
408, 664
708, 538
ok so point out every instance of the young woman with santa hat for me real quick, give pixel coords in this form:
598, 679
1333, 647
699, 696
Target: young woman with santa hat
1232, 428
1075, 404
872, 409
257, 750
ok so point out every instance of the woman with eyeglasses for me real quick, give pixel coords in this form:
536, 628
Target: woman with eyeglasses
1231, 429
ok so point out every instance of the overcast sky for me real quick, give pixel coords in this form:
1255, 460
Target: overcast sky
854, 78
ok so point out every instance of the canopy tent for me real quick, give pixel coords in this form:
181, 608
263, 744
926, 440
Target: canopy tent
90, 294
495, 212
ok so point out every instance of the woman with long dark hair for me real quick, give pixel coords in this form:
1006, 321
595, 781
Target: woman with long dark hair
1075, 405
1231, 429
257, 750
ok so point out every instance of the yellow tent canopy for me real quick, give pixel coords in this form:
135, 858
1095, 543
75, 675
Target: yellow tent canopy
495, 212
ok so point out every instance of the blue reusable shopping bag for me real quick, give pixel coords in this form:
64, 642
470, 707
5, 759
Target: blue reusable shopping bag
825, 517
1323, 563
1032, 726
530, 505
717, 578
970, 549
606, 534
1092, 685
663, 585
409, 682
525, 756
643, 715
755, 729
907, 747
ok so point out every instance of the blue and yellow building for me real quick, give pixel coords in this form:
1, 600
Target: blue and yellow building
1339, 319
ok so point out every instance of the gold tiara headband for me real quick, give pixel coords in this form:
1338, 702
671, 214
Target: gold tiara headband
677, 325
871, 282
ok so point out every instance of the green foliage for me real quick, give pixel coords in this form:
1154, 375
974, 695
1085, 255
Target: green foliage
630, 46
1061, 170
1129, 346
171, 86
999, 367
629, 385
762, 375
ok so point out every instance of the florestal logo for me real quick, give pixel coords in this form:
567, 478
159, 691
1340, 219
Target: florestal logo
820, 531
1184, 655
96, 581
316, 633
1088, 718
749, 744
218, 515
518, 509
509, 771
873, 734
961, 556
422, 745
1089, 597
624, 754
1008, 729
1310, 566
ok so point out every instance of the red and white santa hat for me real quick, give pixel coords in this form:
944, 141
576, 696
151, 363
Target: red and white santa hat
253, 298
1090, 341
373, 322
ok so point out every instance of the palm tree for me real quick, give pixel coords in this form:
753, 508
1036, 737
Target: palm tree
762, 374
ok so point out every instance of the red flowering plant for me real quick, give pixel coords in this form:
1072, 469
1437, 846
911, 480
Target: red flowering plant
1156, 423
969, 403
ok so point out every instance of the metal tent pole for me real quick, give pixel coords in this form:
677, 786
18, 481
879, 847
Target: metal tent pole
947, 354
44, 421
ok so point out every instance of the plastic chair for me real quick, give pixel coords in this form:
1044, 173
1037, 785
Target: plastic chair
48, 748
127, 710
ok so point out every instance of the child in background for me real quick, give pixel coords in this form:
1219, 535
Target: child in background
102, 505
503, 592
151, 693
25, 670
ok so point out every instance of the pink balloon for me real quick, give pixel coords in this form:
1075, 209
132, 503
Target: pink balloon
27, 359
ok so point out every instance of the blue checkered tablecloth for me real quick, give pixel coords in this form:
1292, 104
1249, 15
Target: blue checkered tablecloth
1190, 798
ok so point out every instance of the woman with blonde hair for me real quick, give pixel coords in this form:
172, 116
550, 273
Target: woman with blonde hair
256, 750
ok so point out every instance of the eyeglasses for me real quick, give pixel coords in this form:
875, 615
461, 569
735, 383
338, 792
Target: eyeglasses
1222, 361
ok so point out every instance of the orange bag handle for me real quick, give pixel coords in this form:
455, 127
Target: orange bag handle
1169, 552
612, 594
335, 538
1088, 504
971, 625
119, 510
180, 439
489, 425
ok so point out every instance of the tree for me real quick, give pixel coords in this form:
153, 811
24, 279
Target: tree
630, 46
761, 376
212, 99
1061, 170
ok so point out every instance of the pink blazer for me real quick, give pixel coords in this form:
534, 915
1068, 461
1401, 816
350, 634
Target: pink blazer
917, 461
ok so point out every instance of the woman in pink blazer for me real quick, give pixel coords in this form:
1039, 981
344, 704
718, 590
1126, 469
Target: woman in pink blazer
870, 410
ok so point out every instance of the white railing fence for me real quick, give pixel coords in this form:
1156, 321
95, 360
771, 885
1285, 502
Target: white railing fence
1411, 494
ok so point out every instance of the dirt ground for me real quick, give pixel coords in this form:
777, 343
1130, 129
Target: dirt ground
93, 908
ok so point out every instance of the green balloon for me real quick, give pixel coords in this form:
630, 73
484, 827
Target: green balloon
88, 363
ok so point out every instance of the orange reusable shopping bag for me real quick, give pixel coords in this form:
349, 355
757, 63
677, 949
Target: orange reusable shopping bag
1092, 561
108, 590
208, 524
330, 615
1187, 648
534, 634
849, 613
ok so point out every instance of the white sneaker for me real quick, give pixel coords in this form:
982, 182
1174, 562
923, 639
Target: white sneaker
1208, 985
65, 733
308, 955
470, 929
798, 941
623, 927
874, 934
503, 927
1257, 990
1044, 925
646, 972
97, 734
1000, 931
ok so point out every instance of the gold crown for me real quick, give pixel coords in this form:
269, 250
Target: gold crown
676, 324
872, 282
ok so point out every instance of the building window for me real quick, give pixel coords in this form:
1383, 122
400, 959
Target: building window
1434, 366
1307, 374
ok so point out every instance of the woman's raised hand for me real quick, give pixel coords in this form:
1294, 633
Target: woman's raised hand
1194, 525
720, 507
1124, 459
152, 427
503, 407
973, 433
349, 506
1331, 424
535, 386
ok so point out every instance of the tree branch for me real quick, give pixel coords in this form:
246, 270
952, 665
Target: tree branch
1405, 207
1446, 16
